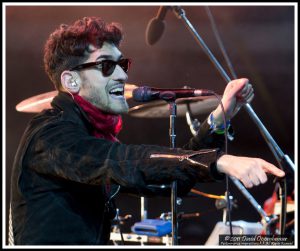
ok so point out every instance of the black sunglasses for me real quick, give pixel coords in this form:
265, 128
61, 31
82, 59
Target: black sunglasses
107, 67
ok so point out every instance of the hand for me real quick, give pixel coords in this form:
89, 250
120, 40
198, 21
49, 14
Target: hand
250, 171
237, 93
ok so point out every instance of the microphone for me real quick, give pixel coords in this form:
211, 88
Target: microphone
146, 93
156, 26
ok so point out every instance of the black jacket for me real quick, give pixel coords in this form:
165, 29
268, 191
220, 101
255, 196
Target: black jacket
60, 172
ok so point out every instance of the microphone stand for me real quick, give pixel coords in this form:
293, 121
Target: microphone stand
172, 134
170, 97
282, 159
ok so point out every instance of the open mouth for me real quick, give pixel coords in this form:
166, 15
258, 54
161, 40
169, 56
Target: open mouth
117, 91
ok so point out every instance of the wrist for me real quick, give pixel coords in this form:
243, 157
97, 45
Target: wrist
216, 126
217, 116
221, 163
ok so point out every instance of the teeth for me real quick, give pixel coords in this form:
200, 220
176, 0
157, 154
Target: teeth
117, 91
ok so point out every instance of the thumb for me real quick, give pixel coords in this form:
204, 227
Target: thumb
240, 84
236, 86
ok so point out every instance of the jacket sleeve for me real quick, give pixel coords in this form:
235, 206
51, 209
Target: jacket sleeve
64, 150
205, 139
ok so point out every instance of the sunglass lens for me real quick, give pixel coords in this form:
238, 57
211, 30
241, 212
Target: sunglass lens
125, 64
108, 67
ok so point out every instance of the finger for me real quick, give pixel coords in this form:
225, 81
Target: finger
241, 85
270, 168
249, 91
246, 92
262, 177
247, 182
247, 99
237, 85
254, 179
243, 91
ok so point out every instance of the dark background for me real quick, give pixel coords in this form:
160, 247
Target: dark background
260, 44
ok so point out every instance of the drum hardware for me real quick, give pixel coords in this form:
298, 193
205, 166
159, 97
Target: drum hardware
116, 225
268, 222
181, 215
144, 208
160, 109
194, 124
120, 220
220, 203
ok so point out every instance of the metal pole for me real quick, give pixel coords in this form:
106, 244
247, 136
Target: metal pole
172, 133
144, 208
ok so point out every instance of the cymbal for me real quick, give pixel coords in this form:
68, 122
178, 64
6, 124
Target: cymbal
160, 108
36, 103
43, 101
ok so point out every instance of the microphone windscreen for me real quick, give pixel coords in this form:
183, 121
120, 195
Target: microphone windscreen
142, 94
154, 31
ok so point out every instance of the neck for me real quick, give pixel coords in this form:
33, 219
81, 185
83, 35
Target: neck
105, 125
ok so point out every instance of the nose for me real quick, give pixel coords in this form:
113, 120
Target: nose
120, 74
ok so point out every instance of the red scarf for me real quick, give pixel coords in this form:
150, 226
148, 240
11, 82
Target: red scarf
106, 125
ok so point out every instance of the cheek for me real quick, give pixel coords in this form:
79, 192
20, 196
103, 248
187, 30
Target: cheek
101, 90
96, 94
101, 95
97, 85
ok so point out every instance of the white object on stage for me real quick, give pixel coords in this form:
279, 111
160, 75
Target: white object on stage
238, 228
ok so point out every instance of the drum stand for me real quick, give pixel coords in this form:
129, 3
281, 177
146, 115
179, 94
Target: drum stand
144, 208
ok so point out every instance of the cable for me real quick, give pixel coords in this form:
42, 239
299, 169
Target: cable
211, 196
228, 204
220, 43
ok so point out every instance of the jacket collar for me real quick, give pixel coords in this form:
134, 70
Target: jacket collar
69, 109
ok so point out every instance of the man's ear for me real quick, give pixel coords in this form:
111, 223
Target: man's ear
70, 81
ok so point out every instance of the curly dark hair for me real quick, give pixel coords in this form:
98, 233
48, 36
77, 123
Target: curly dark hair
68, 45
